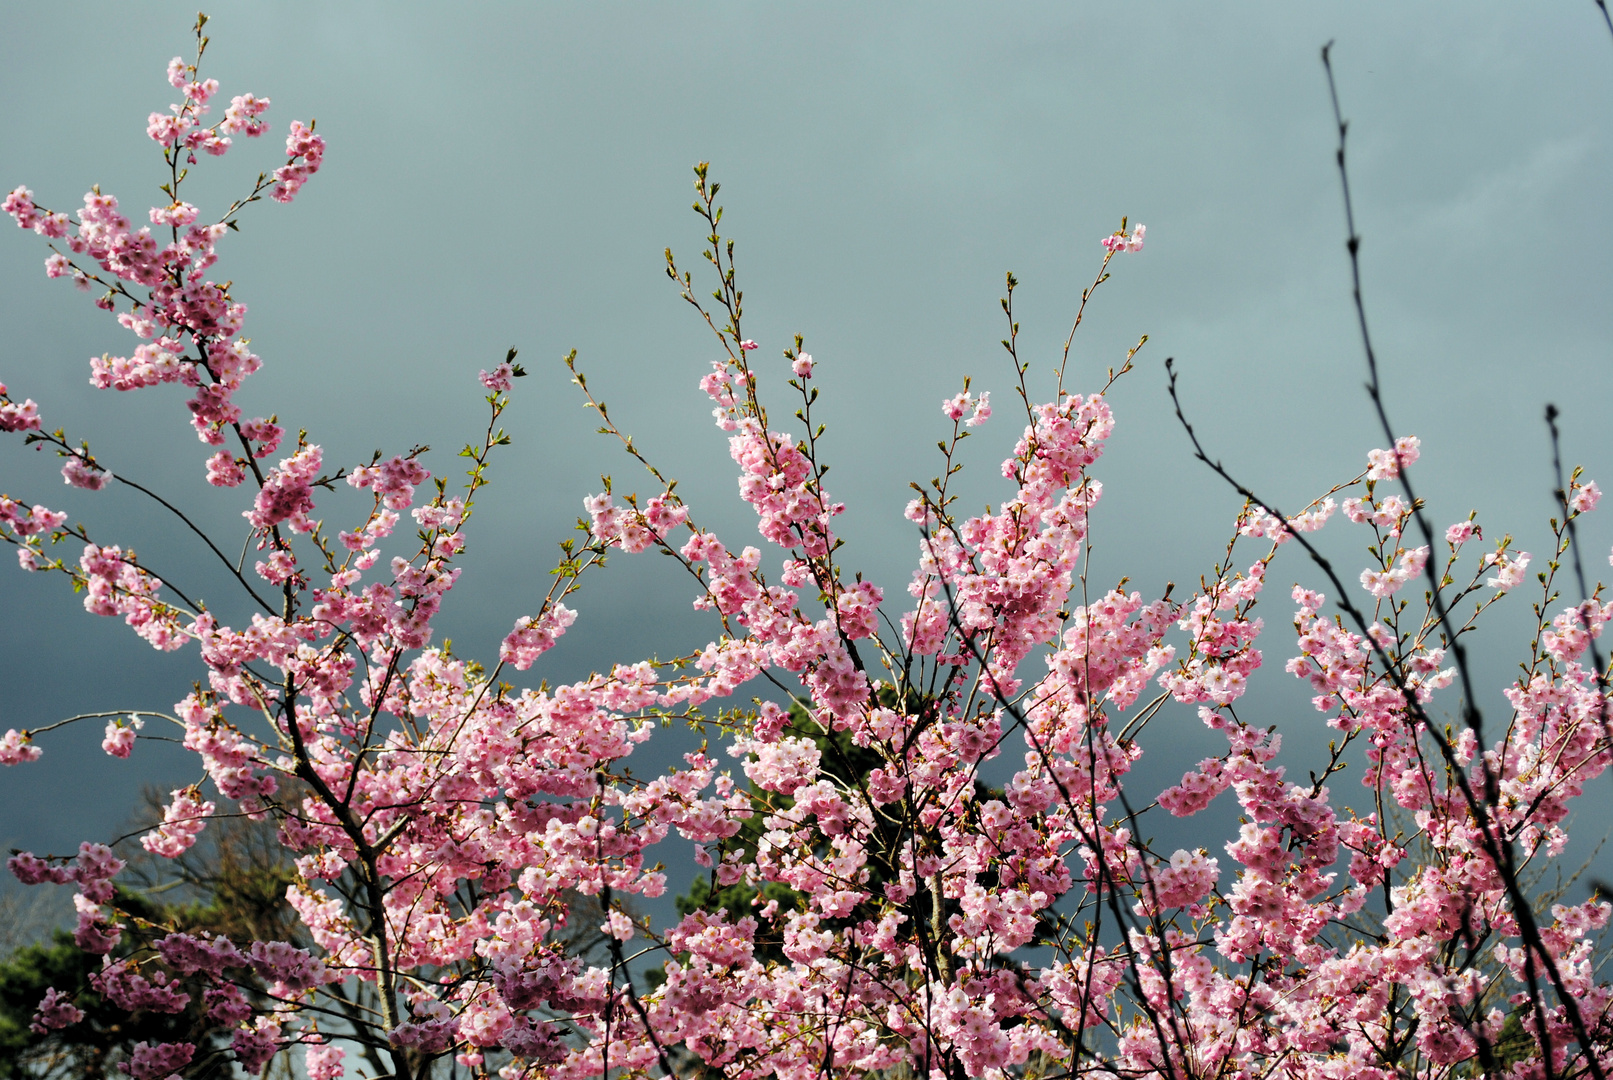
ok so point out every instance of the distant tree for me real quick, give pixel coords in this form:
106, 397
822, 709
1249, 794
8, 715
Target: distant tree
232, 883
88, 1049
26, 916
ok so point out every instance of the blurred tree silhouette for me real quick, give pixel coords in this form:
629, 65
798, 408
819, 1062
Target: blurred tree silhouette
233, 882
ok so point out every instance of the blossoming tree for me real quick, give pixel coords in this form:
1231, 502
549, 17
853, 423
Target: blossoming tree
895, 914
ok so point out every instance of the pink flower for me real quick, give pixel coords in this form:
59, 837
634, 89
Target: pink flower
954, 407
982, 410
394, 480
224, 470
15, 748
29, 522
176, 215
747, 344
266, 433
499, 379
123, 985
531, 637
200, 92
1185, 880
286, 494
188, 955
82, 474
1510, 572
802, 365
183, 820
1585, 498
166, 128
255, 1045
119, 738
30, 869
56, 1011
20, 205
1314, 518
242, 116
306, 152
291, 969
1383, 583
278, 567
1461, 533
618, 926
1386, 464
53, 226
324, 1061
1120, 241
19, 416
156, 1061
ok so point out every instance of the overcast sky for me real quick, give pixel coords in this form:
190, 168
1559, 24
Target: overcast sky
504, 175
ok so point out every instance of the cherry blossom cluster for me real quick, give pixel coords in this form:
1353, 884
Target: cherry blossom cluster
1121, 240
161, 291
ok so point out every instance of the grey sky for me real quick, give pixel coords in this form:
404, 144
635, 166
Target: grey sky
509, 175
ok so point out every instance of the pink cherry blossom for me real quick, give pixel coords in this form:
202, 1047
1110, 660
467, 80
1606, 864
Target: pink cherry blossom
122, 984
82, 474
16, 748
286, 494
157, 1061
1408, 564
19, 415
323, 1061
56, 1011
20, 205
120, 736
531, 637
182, 821
224, 470
1386, 464
1510, 569
1121, 241
498, 380
242, 116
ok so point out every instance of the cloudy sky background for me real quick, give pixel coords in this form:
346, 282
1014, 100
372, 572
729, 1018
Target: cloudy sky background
511, 176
